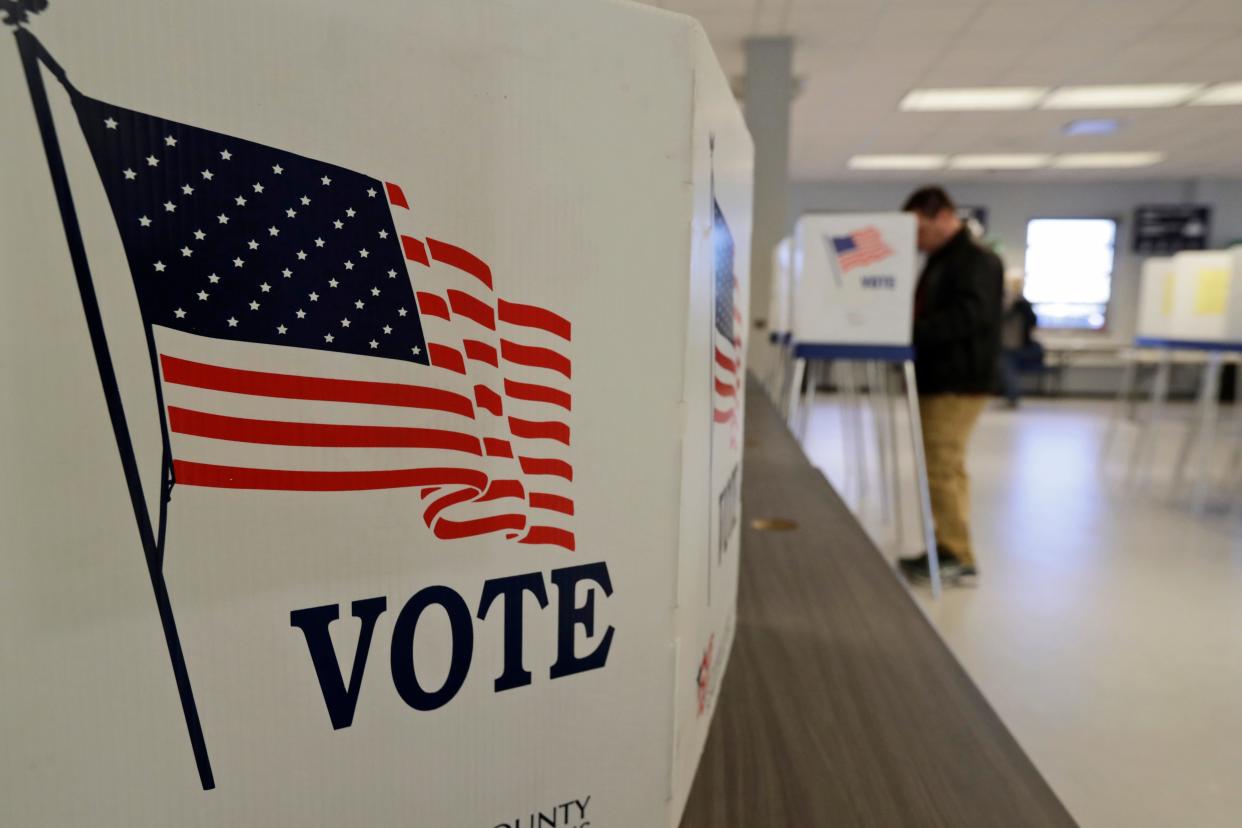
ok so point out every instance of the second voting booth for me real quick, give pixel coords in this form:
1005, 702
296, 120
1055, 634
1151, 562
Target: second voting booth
852, 299
375, 438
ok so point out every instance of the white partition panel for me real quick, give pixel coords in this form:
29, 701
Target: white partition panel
854, 278
371, 444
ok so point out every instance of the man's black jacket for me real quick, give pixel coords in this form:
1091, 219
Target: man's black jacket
957, 313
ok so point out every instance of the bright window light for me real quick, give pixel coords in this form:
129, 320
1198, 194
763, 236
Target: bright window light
1106, 160
973, 99
1007, 161
1133, 96
1069, 271
1222, 94
897, 162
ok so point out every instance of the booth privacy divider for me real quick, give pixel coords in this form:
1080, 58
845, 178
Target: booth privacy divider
372, 438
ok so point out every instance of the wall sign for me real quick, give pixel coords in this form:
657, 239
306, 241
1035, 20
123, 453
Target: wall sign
1169, 228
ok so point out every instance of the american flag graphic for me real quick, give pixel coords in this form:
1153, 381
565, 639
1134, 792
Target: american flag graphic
306, 338
727, 366
860, 248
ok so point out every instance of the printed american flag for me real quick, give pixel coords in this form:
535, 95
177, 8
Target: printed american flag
295, 351
860, 248
727, 358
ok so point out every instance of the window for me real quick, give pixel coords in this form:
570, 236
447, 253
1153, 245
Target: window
1069, 271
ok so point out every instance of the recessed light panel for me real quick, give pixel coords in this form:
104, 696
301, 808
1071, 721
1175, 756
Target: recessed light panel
1007, 161
1222, 94
973, 99
1133, 96
1106, 160
1092, 126
897, 162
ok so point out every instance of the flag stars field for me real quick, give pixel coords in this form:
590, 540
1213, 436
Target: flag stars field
266, 224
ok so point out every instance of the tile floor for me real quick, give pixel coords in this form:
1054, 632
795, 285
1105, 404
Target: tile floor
1107, 625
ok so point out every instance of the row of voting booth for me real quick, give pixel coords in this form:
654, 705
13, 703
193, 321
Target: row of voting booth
371, 450
1190, 314
841, 303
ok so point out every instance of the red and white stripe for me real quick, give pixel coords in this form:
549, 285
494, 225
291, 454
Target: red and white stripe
726, 394
483, 434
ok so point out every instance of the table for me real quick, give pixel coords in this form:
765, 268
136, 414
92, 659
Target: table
841, 706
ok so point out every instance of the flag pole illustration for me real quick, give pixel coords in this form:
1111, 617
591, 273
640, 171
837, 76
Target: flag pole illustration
270, 284
33, 54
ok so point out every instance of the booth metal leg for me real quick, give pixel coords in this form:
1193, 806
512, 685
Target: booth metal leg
1124, 394
874, 375
1155, 413
860, 435
920, 476
795, 397
1209, 405
890, 404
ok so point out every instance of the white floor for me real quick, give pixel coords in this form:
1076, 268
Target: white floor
1107, 625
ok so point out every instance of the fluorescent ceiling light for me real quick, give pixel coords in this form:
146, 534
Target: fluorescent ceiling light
1133, 96
897, 162
1092, 126
1106, 160
1222, 94
967, 99
1007, 161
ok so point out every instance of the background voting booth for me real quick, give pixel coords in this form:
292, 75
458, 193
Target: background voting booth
1190, 313
325, 495
780, 318
853, 290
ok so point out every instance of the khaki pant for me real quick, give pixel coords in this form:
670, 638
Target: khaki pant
948, 420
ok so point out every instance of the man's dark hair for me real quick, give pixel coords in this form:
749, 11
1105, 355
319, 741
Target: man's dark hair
928, 201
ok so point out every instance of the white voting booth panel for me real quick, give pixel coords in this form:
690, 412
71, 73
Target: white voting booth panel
779, 304
1157, 294
371, 445
854, 278
1206, 306
779, 319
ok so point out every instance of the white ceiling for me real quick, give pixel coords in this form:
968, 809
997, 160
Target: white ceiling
857, 58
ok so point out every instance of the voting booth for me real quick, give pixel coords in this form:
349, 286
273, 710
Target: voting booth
1157, 294
780, 322
854, 280
852, 314
1206, 307
371, 452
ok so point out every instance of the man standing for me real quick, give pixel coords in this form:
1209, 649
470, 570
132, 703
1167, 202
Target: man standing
957, 311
